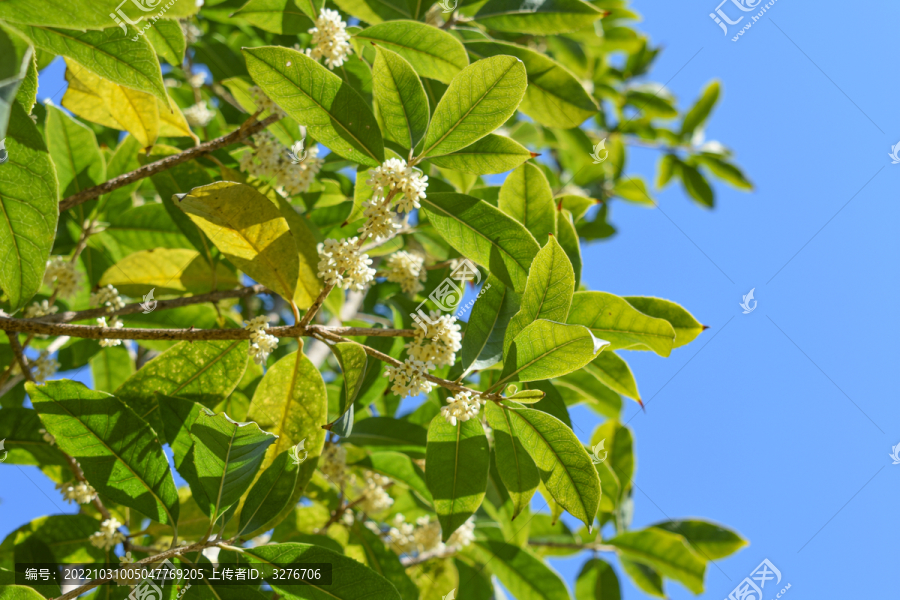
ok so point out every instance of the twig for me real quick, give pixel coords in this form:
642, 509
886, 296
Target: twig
317, 304
244, 131
338, 512
19, 353
82, 315
94, 332
152, 559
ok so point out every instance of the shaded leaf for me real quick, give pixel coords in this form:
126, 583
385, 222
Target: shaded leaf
615, 320
521, 572
432, 52
482, 346
526, 196
400, 101
545, 349
284, 17
612, 370
549, 17
597, 581
665, 552
517, 469
489, 155
169, 271
710, 540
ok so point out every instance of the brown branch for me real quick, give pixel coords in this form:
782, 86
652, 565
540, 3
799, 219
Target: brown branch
82, 315
79, 475
152, 559
147, 170
317, 304
92, 332
20, 355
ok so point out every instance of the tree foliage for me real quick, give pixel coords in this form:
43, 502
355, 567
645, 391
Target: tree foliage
317, 212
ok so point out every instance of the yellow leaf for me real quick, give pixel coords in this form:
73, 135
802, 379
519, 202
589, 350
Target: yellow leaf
249, 230
172, 122
170, 271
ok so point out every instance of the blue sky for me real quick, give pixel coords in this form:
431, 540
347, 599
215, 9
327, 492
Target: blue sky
778, 423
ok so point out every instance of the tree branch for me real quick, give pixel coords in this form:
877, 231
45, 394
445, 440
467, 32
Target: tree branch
9, 324
93, 313
244, 131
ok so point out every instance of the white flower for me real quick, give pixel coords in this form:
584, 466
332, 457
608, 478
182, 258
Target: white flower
270, 159
333, 463
62, 272
401, 535
342, 264
265, 103
261, 343
44, 367
407, 269
428, 535
116, 324
409, 377
440, 343
40, 309
81, 493
376, 497
199, 115
461, 407
197, 80
192, 33
332, 42
463, 536
109, 534
109, 297
379, 220
48, 437
395, 174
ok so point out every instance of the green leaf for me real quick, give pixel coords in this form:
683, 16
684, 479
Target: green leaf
111, 367
292, 403
109, 53
479, 99
82, 14
634, 190
334, 113
432, 52
376, 11
725, 171
145, 227
249, 230
24, 443
284, 17
552, 403
545, 349
482, 346
696, 186
652, 100
269, 496
568, 239
227, 455
456, 469
483, 234
612, 370
489, 155
18, 61
400, 101
615, 320
528, 396
666, 168
564, 465
381, 559
204, 372
550, 17
643, 577
597, 581
526, 196
583, 386
399, 467
27, 93
619, 445
698, 113
710, 540
169, 271
386, 433
665, 552
517, 469
554, 97
521, 572
19, 592
352, 359
352, 580
119, 453
548, 291
686, 327
168, 40
29, 201
177, 417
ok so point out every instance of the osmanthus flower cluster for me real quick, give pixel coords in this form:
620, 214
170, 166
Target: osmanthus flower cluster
375, 333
